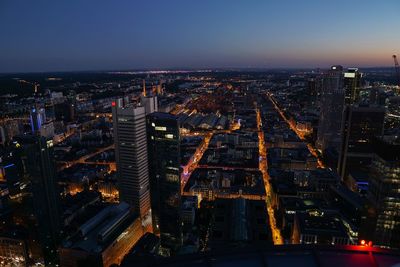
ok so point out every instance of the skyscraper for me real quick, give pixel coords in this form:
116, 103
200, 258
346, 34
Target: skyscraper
164, 154
359, 126
384, 191
352, 81
149, 103
332, 100
65, 111
37, 118
36, 153
129, 123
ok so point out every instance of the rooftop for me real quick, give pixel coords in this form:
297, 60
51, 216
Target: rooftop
97, 233
320, 225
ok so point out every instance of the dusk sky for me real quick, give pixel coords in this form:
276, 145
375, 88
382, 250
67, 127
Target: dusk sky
39, 35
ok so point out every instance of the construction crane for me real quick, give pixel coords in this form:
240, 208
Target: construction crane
397, 69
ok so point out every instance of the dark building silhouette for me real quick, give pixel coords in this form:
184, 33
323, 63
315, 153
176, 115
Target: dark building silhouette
164, 161
360, 124
65, 111
36, 154
239, 221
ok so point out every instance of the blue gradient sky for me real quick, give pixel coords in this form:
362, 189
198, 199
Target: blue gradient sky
49, 35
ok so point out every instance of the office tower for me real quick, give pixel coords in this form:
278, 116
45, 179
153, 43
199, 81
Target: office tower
359, 126
164, 155
37, 118
150, 103
36, 153
65, 111
49, 110
129, 123
331, 103
384, 192
352, 80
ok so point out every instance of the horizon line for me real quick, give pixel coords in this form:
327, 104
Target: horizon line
185, 70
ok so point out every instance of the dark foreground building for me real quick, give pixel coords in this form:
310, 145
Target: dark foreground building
36, 154
360, 125
164, 162
284, 256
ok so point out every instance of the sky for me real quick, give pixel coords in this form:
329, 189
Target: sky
73, 35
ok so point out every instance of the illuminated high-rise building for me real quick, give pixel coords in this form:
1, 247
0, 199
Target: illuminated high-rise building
164, 155
384, 192
352, 81
37, 119
129, 123
331, 102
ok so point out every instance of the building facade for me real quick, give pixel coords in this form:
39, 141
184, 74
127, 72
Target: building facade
352, 82
359, 126
36, 154
331, 103
384, 192
129, 123
164, 154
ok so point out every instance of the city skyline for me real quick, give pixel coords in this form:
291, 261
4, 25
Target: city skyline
212, 133
74, 36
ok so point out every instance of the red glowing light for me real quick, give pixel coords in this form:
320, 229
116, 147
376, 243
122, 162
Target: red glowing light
113, 104
362, 242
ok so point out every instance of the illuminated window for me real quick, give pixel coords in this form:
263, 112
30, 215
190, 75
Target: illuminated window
173, 178
49, 143
161, 128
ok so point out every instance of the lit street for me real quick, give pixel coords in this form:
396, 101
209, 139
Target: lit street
276, 234
312, 150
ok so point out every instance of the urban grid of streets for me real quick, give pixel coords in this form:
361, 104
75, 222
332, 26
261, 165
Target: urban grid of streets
292, 126
263, 165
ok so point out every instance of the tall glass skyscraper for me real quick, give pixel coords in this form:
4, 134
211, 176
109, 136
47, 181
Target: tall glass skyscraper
36, 153
164, 160
331, 102
360, 125
352, 82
